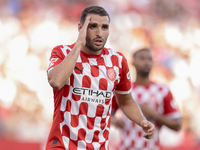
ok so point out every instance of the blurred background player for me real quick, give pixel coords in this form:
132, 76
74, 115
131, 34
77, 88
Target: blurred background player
156, 102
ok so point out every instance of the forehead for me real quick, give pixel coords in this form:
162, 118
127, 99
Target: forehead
95, 18
143, 53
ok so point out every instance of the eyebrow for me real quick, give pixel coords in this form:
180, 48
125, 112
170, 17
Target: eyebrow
97, 24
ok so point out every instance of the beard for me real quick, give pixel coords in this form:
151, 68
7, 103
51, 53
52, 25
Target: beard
144, 73
93, 47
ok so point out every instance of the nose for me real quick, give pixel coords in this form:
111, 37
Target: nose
99, 32
148, 62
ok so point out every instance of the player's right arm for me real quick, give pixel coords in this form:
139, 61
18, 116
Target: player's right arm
59, 75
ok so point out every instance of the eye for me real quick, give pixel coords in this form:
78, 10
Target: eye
92, 26
142, 58
105, 27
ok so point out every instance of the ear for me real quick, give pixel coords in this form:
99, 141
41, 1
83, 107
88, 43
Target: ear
79, 26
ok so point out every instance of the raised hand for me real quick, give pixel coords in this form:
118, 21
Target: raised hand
83, 31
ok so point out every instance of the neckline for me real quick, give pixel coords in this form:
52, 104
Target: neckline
92, 55
145, 85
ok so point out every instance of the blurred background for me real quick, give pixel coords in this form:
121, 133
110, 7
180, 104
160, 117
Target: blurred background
29, 29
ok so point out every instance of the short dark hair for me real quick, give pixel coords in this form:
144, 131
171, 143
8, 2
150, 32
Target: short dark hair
142, 49
93, 10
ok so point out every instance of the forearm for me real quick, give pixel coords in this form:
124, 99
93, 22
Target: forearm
174, 124
59, 75
130, 108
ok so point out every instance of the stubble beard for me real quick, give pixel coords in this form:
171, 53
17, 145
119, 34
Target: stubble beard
92, 47
144, 74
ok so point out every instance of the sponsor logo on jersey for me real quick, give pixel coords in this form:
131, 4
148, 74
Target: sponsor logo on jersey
93, 100
91, 95
111, 74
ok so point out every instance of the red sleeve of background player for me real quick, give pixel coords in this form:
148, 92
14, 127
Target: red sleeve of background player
170, 106
124, 86
56, 57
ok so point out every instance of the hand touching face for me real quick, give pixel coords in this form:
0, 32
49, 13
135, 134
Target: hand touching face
83, 31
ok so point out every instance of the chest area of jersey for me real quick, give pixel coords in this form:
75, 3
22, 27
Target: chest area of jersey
153, 97
92, 75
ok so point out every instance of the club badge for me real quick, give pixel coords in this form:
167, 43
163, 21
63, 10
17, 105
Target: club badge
111, 74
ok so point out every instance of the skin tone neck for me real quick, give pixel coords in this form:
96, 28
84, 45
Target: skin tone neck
142, 80
96, 34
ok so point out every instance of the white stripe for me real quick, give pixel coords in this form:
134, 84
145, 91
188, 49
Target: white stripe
64, 49
49, 70
123, 92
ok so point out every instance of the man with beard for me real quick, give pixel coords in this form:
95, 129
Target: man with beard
156, 102
84, 77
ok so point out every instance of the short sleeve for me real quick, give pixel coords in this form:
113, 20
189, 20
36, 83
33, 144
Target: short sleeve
56, 57
170, 107
124, 86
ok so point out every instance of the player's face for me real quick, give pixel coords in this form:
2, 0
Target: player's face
97, 32
143, 63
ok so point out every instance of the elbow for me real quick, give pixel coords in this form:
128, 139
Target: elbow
55, 84
177, 128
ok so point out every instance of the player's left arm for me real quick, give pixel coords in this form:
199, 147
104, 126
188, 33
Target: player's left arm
132, 110
126, 102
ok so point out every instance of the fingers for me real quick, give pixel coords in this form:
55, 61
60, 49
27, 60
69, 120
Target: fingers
87, 21
149, 128
152, 127
148, 135
144, 123
83, 31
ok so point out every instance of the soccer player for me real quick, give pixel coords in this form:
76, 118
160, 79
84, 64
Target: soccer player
156, 102
84, 76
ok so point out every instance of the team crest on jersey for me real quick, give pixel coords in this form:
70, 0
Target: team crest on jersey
111, 74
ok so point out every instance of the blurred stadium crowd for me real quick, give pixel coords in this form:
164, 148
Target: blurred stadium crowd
29, 29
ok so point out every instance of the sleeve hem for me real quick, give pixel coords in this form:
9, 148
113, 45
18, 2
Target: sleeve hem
49, 70
123, 92
173, 115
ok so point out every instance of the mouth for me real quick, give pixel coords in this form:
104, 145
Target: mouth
98, 42
146, 67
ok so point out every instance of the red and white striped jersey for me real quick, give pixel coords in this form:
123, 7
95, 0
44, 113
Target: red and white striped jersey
82, 106
157, 97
